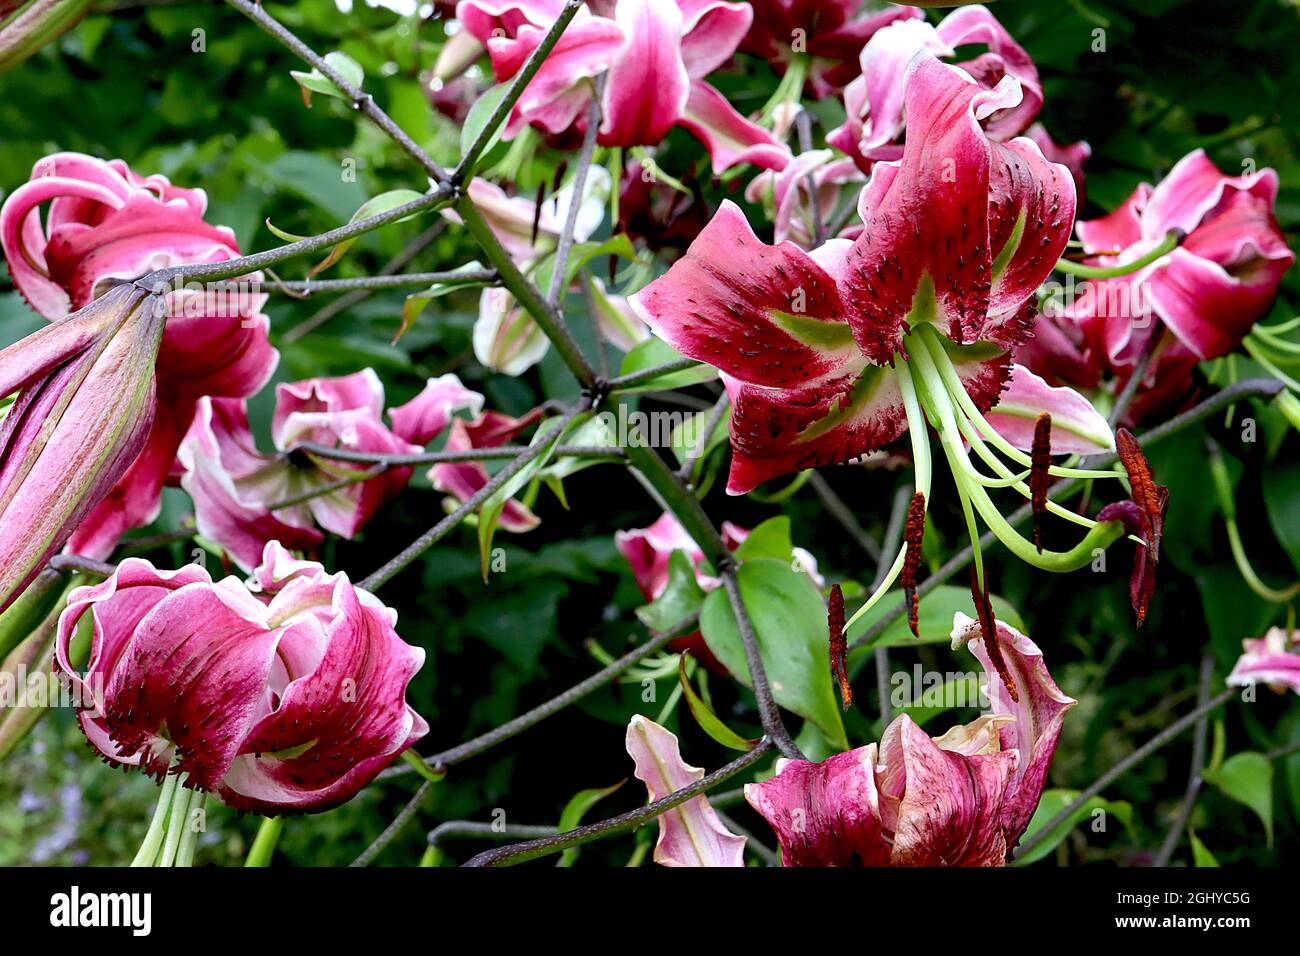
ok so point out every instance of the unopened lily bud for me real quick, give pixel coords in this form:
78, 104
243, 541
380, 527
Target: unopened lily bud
26, 27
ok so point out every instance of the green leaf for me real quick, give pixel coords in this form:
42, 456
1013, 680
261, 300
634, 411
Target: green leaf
374, 206
316, 82
477, 119
709, 722
771, 539
653, 352
1248, 778
416, 301
681, 598
1200, 855
1052, 803
582, 253
575, 810
790, 625
934, 619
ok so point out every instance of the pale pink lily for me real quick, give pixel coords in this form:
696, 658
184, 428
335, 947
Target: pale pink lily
690, 834
655, 54
874, 101
234, 486
805, 191
1211, 288
288, 699
1273, 659
961, 799
105, 222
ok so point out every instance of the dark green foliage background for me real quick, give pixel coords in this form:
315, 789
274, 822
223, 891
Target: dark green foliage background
1175, 74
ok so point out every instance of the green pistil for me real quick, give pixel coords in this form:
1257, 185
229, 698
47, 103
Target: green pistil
1167, 245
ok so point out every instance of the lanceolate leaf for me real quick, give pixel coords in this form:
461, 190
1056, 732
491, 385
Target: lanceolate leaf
709, 722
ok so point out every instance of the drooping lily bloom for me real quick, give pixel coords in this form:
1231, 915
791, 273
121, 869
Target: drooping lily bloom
1273, 659
831, 354
690, 834
1211, 288
648, 551
464, 479
961, 799
83, 408
234, 486
876, 121
823, 36
105, 222
655, 53
288, 699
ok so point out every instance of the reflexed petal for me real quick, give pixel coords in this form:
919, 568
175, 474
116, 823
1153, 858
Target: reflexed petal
424, 417
1193, 188
360, 390
690, 834
764, 315
1038, 715
729, 137
1077, 427
1271, 659
976, 25
647, 87
466, 478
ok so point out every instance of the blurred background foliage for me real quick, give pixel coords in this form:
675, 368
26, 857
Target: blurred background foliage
197, 92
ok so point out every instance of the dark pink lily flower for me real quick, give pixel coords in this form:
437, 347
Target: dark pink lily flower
1273, 659
876, 122
287, 697
828, 33
105, 222
960, 232
234, 486
1210, 290
464, 479
656, 54
962, 799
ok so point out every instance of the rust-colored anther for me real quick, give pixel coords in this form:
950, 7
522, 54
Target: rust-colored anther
1152, 500
989, 628
839, 645
1040, 461
537, 212
913, 535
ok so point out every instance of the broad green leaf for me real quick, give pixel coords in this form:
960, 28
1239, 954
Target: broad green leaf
653, 352
934, 619
575, 810
771, 539
709, 722
478, 117
1052, 803
790, 625
316, 82
1200, 855
1248, 778
681, 598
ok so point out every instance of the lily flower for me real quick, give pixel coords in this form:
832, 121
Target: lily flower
1273, 659
874, 128
1208, 290
815, 43
804, 195
655, 54
290, 698
84, 405
105, 223
237, 490
961, 799
690, 834
835, 353
464, 479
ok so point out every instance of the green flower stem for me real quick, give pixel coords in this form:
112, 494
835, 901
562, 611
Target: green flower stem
268, 835
178, 822
1171, 242
1258, 353
153, 837
535, 849
546, 315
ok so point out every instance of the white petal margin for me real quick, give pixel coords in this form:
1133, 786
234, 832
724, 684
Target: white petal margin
691, 834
